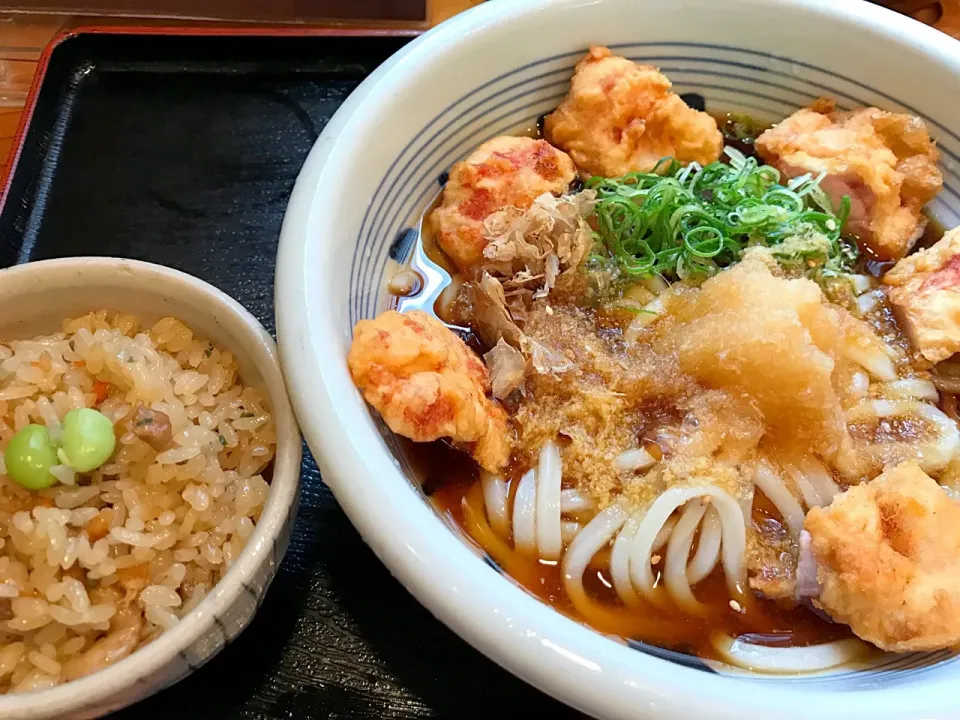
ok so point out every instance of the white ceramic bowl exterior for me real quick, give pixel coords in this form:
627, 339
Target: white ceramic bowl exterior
35, 298
383, 157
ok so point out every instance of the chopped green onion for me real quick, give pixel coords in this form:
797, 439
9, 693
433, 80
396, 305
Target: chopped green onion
692, 221
632, 309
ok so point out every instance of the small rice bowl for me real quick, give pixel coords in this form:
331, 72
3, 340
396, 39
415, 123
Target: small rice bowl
102, 563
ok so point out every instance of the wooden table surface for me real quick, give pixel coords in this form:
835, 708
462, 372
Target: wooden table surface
23, 38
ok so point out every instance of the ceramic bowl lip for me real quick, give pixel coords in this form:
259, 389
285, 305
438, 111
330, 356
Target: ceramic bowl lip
134, 275
556, 654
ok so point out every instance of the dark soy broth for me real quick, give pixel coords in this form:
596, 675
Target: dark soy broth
450, 482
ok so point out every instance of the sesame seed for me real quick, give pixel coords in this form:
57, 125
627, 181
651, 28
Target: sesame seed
735, 606
549, 310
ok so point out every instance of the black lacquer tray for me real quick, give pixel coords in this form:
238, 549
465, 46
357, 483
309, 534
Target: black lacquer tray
182, 150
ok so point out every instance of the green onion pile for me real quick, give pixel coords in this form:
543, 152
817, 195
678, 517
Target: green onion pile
687, 222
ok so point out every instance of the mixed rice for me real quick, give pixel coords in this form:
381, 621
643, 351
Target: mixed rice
101, 563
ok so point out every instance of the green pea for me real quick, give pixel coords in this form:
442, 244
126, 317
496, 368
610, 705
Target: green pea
29, 457
87, 441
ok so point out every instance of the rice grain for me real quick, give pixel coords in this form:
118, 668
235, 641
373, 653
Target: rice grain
113, 558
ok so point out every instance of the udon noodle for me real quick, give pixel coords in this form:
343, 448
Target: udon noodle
714, 410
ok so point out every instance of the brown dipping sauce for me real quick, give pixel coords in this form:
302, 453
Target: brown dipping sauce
450, 482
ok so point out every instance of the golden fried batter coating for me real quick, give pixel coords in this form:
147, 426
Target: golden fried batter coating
889, 561
621, 117
885, 162
503, 172
925, 290
427, 384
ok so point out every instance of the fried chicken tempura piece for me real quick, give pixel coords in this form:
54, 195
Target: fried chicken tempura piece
925, 290
888, 554
621, 117
427, 384
503, 172
885, 162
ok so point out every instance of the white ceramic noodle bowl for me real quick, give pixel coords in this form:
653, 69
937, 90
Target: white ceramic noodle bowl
491, 70
34, 299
